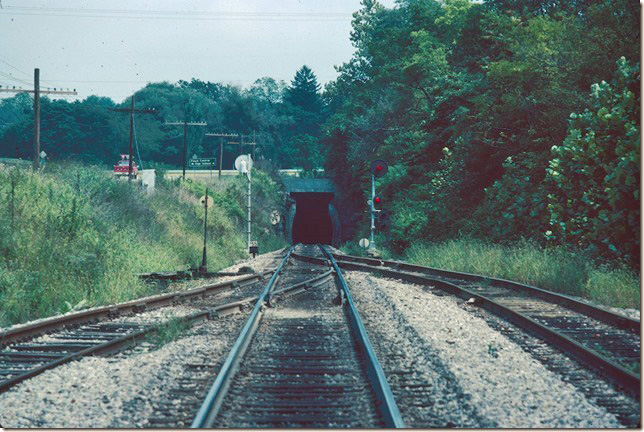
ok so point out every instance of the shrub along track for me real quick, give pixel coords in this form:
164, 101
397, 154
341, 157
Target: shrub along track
95, 332
304, 363
606, 342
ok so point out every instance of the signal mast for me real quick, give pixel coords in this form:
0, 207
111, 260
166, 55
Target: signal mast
378, 169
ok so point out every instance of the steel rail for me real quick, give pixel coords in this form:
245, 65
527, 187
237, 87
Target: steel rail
212, 403
588, 356
384, 396
108, 347
30, 330
130, 339
606, 316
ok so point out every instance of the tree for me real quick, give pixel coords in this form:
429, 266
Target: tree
303, 92
595, 173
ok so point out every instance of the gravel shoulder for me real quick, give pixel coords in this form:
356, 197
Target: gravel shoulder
506, 385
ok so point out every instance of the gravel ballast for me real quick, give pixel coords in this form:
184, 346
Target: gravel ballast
120, 391
115, 392
508, 387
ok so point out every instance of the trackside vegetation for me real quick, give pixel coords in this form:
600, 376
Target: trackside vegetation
73, 236
557, 269
512, 130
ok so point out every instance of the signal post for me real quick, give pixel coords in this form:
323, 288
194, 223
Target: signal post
378, 169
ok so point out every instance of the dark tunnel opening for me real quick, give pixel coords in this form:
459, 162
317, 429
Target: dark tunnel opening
312, 223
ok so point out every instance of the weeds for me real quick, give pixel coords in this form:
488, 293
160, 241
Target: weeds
555, 269
79, 236
168, 331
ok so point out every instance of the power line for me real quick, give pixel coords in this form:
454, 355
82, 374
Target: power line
187, 18
13, 67
106, 81
23, 72
175, 12
11, 77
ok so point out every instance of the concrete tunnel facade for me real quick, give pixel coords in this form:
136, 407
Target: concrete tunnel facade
311, 213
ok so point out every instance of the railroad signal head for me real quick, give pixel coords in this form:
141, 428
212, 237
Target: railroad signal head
379, 168
377, 201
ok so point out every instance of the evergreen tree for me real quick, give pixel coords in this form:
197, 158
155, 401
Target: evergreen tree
304, 91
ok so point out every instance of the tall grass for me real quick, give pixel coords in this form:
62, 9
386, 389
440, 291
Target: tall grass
79, 236
554, 269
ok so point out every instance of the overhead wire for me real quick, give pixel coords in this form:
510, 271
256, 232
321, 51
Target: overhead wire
13, 78
136, 142
184, 12
189, 17
25, 73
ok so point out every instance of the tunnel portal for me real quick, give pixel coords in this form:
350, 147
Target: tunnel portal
312, 217
312, 222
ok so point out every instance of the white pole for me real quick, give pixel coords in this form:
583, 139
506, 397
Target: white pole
248, 229
372, 244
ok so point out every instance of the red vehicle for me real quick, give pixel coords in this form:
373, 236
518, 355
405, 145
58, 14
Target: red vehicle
123, 166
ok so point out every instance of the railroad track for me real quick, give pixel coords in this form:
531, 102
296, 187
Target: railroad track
607, 342
96, 332
304, 363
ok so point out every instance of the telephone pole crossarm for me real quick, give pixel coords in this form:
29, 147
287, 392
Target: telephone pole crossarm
131, 111
37, 91
221, 137
185, 125
54, 92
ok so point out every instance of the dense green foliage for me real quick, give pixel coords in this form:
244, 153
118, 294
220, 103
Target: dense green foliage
505, 120
285, 119
595, 172
466, 100
74, 236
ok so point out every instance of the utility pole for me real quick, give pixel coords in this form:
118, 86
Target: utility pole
36, 118
37, 92
242, 143
221, 154
221, 145
185, 125
131, 110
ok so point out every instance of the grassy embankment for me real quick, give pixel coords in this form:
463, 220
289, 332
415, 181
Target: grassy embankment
75, 237
556, 269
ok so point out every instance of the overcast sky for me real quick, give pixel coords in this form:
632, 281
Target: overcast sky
112, 48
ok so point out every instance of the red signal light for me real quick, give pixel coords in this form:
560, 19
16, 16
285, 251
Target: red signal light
378, 168
377, 200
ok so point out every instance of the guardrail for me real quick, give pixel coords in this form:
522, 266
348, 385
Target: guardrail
211, 404
384, 395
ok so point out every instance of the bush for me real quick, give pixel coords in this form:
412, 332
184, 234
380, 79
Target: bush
595, 173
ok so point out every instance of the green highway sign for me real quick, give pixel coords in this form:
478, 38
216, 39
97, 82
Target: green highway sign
195, 162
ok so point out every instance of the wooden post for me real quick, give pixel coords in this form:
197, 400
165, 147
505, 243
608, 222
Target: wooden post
185, 147
36, 163
204, 265
130, 167
254, 146
221, 154
36, 91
